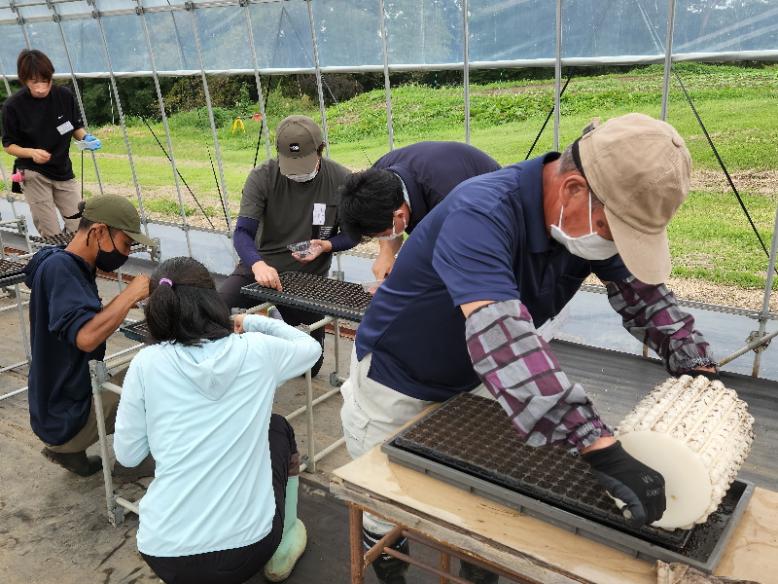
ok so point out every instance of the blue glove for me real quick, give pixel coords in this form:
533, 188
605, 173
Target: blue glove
91, 142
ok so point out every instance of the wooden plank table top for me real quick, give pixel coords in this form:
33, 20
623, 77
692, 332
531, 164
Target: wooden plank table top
529, 546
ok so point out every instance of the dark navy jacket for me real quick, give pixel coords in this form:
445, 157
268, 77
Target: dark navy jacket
431, 170
486, 241
64, 297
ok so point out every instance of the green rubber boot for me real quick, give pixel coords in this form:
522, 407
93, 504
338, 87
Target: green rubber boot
293, 540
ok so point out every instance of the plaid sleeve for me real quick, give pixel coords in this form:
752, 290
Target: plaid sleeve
651, 314
517, 366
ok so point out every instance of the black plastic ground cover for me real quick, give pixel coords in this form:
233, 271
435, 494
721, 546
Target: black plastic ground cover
11, 273
315, 293
138, 331
470, 442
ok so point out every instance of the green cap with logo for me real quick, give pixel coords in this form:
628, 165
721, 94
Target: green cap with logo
117, 212
298, 139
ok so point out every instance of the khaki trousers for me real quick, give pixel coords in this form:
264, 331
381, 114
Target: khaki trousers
88, 434
45, 196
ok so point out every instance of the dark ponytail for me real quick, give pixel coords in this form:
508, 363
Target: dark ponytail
184, 306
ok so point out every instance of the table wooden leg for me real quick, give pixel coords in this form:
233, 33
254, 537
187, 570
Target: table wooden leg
355, 542
444, 563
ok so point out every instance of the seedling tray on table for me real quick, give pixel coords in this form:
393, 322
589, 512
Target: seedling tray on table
316, 294
11, 273
469, 442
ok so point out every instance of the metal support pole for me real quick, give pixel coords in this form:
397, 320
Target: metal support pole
335, 379
260, 96
466, 65
214, 133
166, 126
22, 325
99, 375
387, 82
311, 462
319, 88
144, 220
764, 315
76, 89
558, 74
20, 22
668, 56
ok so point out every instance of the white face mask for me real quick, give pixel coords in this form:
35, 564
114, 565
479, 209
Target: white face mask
591, 246
301, 178
395, 234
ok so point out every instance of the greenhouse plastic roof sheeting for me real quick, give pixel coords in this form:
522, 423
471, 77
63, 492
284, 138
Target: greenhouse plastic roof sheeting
98, 36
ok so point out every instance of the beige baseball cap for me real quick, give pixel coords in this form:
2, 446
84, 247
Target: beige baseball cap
298, 139
640, 169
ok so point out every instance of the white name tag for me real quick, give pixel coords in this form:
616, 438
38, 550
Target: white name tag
319, 212
64, 128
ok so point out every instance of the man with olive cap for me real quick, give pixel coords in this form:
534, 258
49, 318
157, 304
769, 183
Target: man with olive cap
69, 327
502, 254
287, 200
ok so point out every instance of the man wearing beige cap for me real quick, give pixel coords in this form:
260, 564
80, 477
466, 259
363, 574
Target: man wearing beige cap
69, 327
501, 255
288, 200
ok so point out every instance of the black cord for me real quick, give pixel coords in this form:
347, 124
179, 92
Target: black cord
183, 180
723, 166
548, 117
218, 188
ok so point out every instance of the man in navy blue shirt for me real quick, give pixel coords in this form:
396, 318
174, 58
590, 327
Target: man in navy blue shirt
69, 327
401, 188
502, 254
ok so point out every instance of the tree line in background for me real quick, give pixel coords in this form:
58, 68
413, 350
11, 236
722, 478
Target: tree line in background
236, 95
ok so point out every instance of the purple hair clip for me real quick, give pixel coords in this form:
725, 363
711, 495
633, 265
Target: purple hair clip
166, 281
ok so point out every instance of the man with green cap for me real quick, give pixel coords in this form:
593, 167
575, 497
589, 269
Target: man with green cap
69, 327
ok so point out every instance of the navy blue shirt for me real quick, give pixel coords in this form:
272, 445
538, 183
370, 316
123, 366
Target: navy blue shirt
64, 297
486, 241
431, 170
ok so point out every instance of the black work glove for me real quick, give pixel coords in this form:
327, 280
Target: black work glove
712, 375
642, 489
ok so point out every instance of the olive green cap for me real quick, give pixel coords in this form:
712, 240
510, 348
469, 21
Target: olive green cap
117, 212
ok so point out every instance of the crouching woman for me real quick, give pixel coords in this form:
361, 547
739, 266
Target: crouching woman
223, 503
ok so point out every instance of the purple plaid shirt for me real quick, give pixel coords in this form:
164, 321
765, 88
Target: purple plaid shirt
517, 366
652, 315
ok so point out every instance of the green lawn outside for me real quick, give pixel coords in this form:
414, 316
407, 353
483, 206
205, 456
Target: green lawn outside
710, 236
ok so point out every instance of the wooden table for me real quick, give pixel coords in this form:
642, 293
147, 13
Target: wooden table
528, 549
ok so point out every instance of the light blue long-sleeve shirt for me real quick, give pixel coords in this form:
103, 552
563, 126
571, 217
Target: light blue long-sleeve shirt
204, 413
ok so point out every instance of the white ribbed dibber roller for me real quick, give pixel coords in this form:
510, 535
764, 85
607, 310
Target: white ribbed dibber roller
697, 433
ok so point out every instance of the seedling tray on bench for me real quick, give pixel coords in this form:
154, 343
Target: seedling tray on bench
64, 239
11, 273
137, 331
469, 442
316, 294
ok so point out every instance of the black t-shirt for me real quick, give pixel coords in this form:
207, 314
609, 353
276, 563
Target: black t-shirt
47, 124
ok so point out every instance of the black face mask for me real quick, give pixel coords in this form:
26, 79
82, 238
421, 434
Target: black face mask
109, 261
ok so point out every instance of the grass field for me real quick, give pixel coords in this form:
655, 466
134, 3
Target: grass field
711, 239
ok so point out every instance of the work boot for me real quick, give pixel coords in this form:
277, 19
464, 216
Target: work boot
476, 574
293, 539
76, 462
388, 570
132, 473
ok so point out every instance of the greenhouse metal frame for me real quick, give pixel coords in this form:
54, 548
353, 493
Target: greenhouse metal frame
167, 38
